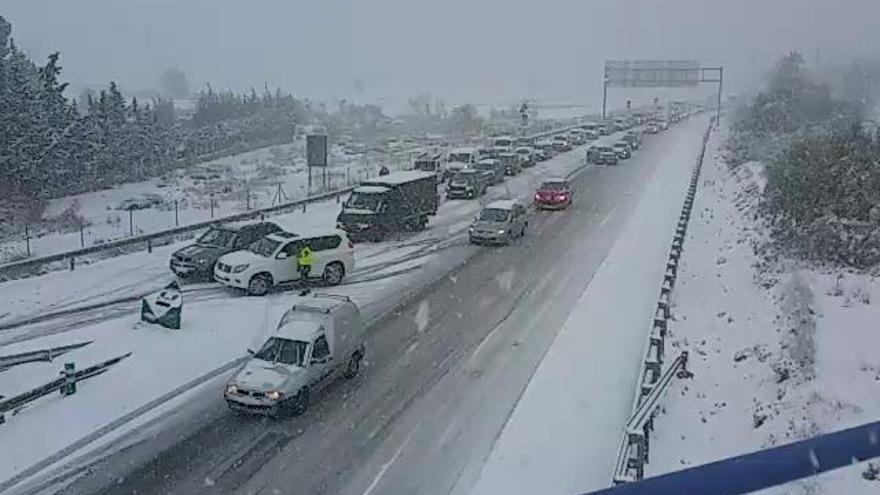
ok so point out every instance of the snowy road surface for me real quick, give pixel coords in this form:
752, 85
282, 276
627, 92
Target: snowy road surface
99, 303
443, 375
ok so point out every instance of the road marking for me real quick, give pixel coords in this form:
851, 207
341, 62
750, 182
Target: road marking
388, 464
411, 348
606, 218
483, 344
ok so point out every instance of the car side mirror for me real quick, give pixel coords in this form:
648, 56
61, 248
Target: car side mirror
282, 255
251, 352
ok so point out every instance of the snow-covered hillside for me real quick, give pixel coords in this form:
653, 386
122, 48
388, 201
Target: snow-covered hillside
780, 351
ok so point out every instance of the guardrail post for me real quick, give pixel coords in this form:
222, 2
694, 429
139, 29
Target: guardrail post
304, 207
176, 215
72, 263
27, 239
149, 245
131, 221
211, 200
248, 201
69, 387
82, 237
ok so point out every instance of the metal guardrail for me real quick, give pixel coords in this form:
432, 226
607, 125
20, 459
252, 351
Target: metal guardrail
10, 269
633, 453
47, 355
56, 385
634, 448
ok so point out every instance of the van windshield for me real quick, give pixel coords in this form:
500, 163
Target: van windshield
284, 351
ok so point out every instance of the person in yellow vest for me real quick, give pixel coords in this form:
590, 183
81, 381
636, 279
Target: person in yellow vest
304, 261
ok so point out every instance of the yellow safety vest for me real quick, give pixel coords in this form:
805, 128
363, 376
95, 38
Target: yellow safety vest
305, 257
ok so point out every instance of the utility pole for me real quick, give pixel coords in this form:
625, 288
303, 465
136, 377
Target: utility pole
604, 92
720, 84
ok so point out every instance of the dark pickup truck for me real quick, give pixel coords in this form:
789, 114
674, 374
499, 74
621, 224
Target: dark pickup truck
393, 203
198, 259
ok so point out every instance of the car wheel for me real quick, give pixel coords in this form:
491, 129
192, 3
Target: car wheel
354, 365
259, 284
333, 273
300, 403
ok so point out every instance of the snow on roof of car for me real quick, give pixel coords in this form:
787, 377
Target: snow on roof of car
555, 180
523, 148
305, 233
501, 204
370, 189
463, 150
487, 161
305, 329
400, 177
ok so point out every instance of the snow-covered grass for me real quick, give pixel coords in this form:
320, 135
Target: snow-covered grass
218, 325
780, 351
235, 184
564, 433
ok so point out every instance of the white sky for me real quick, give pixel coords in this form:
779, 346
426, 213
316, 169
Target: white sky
482, 51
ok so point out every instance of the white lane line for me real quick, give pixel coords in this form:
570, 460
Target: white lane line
411, 348
607, 217
388, 464
483, 344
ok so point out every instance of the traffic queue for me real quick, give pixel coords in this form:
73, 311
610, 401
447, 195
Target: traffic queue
258, 257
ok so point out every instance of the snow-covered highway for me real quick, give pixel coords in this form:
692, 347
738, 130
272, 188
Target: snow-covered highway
444, 370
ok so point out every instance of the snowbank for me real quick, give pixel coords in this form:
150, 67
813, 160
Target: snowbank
564, 433
779, 351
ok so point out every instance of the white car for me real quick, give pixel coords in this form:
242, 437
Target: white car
271, 261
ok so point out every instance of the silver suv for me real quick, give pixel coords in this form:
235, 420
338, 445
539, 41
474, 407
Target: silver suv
499, 223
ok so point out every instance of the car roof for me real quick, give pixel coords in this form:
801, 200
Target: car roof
401, 177
304, 233
296, 329
463, 150
487, 161
502, 204
555, 180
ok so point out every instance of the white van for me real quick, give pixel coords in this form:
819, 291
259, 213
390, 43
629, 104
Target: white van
317, 340
504, 144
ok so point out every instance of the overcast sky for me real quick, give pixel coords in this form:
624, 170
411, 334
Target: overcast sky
482, 51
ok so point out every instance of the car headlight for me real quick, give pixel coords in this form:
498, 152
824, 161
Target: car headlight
240, 268
201, 261
471, 230
273, 395
231, 389
501, 231
364, 225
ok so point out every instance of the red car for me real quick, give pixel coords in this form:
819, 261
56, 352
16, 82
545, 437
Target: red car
554, 193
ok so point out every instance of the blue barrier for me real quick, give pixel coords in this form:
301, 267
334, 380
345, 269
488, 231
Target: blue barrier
765, 468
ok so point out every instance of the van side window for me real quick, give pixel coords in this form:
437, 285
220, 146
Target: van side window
321, 349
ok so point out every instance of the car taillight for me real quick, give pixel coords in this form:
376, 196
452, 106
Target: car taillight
537, 195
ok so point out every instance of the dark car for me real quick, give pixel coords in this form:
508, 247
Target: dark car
198, 259
468, 184
606, 155
494, 166
623, 149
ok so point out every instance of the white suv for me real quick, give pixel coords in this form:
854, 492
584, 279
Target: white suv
271, 261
